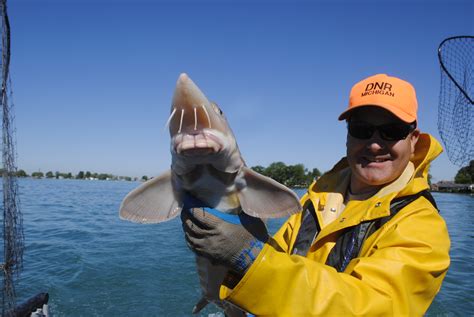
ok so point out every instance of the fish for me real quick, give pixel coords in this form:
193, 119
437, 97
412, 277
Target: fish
206, 164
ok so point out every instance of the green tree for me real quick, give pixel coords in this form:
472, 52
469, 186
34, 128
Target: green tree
88, 174
21, 173
104, 176
466, 174
144, 178
37, 174
259, 169
49, 174
57, 174
296, 175
80, 175
290, 175
315, 173
277, 171
462, 177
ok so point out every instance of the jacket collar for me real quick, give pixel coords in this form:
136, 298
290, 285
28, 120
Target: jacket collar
413, 180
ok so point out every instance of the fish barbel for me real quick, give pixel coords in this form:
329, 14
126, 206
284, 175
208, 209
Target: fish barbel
207, 164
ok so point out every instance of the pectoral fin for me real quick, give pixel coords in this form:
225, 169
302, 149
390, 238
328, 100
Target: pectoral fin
263, 197
152, 202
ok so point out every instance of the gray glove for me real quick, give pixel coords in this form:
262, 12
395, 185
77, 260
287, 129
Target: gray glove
233, 241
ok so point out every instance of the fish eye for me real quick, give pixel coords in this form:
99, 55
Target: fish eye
216, 108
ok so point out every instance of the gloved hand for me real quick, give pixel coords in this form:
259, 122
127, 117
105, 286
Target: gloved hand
233, 241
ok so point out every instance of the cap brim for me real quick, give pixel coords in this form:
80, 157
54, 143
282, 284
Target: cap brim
395, 111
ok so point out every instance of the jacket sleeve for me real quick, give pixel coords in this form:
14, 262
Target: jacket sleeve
400, 274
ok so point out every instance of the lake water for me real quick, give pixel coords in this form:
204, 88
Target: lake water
94, 264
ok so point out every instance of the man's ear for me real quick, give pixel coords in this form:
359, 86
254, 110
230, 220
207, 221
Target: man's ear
414, 139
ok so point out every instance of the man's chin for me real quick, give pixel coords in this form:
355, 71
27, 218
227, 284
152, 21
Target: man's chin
374, 175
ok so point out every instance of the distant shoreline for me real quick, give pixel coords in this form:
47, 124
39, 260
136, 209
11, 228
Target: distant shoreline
123, 179
452, 189
453, 192
80, 176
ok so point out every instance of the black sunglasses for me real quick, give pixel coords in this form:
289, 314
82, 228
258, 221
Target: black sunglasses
388, 132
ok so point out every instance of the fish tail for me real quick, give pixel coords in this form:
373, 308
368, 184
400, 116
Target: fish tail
200, 305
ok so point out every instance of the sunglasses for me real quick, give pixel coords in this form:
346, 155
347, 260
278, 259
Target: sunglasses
388, 132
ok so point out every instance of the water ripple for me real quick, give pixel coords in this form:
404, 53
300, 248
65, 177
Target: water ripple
94, 264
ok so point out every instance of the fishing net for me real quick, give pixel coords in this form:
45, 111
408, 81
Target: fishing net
456, 100
13, 238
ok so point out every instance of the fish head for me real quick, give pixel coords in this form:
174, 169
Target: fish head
206, 163
200, 133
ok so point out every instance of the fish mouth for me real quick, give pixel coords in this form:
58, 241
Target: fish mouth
197, 144
191, 111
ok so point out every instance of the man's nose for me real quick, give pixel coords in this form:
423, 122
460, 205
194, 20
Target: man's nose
376, 143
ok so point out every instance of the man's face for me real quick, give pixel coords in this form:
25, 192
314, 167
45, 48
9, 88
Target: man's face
375, 162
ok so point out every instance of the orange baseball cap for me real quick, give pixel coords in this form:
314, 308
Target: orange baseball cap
390, 93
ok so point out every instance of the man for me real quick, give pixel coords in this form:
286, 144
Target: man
369, 241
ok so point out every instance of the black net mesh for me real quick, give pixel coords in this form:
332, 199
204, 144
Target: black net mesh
13, 238
456, 106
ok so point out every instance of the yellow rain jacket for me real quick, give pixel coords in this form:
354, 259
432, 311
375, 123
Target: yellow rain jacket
398, 271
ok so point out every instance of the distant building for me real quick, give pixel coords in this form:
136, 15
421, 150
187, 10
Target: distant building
452, 187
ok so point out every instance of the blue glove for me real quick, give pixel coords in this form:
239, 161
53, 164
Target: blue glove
233, 241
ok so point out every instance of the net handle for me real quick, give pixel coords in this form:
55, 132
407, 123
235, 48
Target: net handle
444, 67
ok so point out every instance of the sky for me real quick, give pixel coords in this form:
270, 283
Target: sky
93, 80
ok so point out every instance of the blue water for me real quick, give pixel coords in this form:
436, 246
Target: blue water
94, 264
